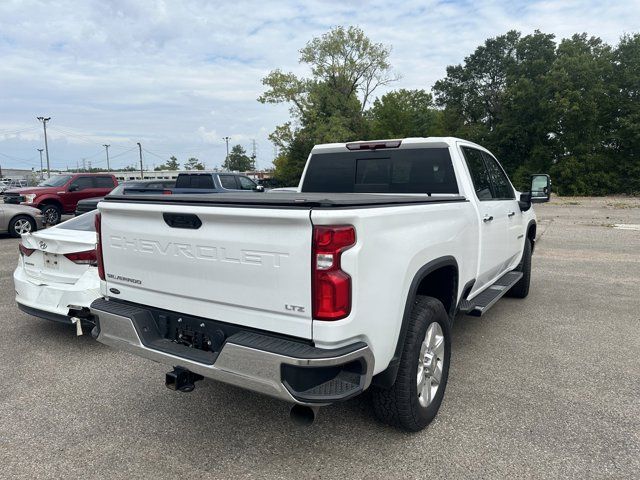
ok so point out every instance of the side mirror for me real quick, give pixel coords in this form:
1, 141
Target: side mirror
73, 188
259, 188
540, 188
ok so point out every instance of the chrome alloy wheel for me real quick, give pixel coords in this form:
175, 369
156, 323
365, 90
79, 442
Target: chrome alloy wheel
22, 226
430, 362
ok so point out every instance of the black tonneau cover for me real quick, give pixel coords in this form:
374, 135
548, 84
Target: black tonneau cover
288, 199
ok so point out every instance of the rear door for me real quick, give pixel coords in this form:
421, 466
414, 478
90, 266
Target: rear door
504, 193
245, 266
494, 220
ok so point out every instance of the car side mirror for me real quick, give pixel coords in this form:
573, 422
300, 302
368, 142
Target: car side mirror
259, 188
540, 188
74, 188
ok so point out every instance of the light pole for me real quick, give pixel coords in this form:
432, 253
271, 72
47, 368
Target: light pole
226, 139
44, 121
41, 150
107, 149
141, 169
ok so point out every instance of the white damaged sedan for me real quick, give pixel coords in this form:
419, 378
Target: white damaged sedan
57, 275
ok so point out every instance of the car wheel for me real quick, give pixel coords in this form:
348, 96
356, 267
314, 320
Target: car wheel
20, 225
521, 289
413, 400
51, 214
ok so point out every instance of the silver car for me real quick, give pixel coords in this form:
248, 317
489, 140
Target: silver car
17, 220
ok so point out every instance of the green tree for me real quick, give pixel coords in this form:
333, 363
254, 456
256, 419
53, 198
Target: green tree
547, 107
193, 164
171, 164
346, 69
580, 92
472, 94
626, 98
239, 161
403, 113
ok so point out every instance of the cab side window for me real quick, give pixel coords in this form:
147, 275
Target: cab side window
104, 182
81, 183
479, 173
228, 182
502, 189
246, 183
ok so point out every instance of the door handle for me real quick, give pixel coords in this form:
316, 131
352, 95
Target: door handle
511, 214
487, 218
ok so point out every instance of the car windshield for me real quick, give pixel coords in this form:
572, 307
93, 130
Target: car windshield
83, 223
55, 181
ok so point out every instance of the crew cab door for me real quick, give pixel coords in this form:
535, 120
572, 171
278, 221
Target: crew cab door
504, 195
494, 219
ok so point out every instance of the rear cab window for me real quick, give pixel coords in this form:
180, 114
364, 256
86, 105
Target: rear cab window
410, 170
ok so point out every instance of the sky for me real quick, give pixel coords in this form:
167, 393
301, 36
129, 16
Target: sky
178, 76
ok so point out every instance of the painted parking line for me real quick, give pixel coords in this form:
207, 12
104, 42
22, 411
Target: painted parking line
627, 226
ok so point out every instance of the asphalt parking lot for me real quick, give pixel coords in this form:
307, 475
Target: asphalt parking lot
545, 387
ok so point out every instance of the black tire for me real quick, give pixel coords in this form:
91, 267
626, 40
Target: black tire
51, 214
400, 405
521, 289
17, 222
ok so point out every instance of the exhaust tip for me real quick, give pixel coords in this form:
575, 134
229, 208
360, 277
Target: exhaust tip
302, 415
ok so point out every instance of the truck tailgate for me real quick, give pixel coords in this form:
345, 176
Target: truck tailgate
245, 266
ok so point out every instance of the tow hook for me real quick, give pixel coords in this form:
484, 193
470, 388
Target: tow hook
181, 380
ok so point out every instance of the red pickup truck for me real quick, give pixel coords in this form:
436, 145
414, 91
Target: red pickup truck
61, 193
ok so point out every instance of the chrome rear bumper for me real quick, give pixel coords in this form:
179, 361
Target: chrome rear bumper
280, 368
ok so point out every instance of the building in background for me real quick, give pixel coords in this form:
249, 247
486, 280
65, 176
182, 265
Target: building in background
19, 176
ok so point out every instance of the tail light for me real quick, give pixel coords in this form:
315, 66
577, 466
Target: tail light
25, 251
99, 259
88, 257
167, 192
331, 286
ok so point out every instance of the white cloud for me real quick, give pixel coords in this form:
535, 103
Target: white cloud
209, 136
178, 76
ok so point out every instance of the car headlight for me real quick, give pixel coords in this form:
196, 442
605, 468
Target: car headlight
29, 197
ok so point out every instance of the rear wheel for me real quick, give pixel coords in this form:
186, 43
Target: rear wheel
415, 397
521, 289
20, 225
51, 214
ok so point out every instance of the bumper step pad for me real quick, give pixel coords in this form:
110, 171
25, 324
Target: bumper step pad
479, 305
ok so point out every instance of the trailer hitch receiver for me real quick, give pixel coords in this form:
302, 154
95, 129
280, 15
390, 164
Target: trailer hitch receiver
182, 380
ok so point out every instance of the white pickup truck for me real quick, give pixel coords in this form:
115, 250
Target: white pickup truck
317, 295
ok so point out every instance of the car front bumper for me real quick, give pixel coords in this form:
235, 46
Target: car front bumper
283, 368
54, 300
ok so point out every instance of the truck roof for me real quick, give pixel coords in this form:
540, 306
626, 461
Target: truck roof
409, 142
